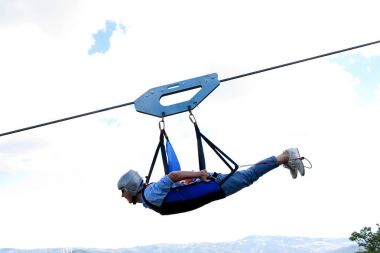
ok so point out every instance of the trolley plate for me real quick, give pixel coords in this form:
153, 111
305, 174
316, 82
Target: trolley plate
149, 102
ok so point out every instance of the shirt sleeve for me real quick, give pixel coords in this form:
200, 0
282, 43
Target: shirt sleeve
155, 193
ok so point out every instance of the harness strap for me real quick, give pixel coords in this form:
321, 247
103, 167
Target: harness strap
201, 155
233, 166
163, 151
161, 147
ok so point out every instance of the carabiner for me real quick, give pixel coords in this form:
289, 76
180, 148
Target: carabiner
161, 124
192, 117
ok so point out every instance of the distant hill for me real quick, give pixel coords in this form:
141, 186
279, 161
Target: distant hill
251, 244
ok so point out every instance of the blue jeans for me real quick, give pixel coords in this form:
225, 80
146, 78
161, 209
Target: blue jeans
243, 178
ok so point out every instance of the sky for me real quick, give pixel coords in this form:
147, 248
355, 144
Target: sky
63, 58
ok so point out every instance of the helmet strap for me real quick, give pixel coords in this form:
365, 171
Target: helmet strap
134, 200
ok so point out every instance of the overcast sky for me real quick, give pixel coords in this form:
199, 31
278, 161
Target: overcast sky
62, 58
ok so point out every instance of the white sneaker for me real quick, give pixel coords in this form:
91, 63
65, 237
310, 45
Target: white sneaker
295, 163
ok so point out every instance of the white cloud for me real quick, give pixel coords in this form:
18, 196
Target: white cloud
69, 196
51, 16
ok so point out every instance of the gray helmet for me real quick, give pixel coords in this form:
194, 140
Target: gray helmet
132, 182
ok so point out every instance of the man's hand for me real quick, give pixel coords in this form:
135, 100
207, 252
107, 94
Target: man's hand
204, 176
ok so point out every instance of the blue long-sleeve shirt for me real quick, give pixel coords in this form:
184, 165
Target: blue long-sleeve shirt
155, 193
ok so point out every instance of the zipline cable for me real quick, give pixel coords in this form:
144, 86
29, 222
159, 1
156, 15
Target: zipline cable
223, 80
299, 61
68, 118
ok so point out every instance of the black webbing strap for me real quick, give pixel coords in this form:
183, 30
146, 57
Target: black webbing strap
160, 146
163, 151
201, 155
223, 156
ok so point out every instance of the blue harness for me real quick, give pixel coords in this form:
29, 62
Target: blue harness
186, 198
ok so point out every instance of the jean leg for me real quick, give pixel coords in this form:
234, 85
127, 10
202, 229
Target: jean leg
243, 178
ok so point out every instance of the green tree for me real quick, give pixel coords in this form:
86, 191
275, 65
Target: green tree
367, 239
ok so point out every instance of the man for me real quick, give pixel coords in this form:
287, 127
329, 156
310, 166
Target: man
168, 197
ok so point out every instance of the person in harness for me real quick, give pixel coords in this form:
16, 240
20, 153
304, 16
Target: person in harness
170, 196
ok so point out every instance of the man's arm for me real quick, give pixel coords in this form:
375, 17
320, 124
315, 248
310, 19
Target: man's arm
176, 176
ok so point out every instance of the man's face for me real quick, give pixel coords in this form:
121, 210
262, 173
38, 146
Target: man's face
127, 195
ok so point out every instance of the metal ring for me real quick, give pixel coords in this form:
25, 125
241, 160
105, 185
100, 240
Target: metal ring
161, 124
192, 117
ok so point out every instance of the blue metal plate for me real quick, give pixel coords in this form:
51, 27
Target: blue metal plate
149, 102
